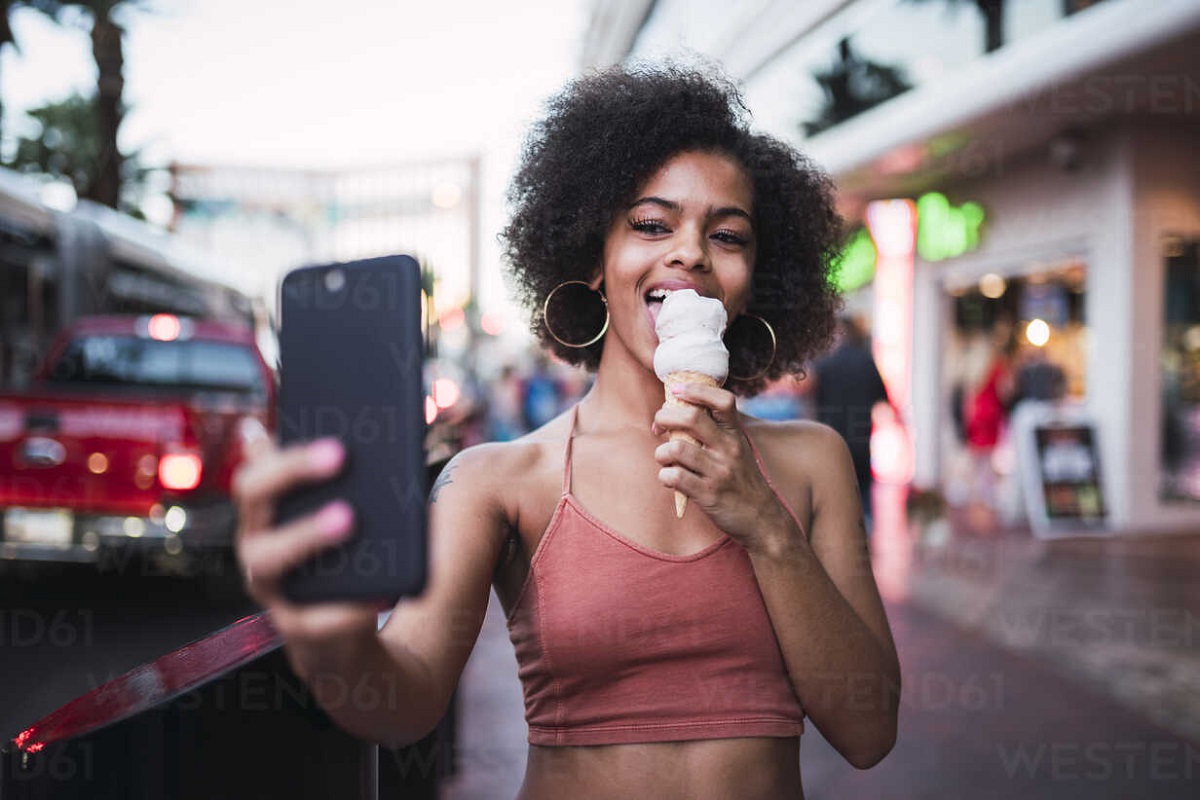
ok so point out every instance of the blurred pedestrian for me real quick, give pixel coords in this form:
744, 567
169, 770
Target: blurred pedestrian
845, 387
781, 400
985, 417
1039, 378
542, 395
505, 413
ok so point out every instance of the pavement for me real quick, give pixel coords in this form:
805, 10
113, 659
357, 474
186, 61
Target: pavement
1031, 668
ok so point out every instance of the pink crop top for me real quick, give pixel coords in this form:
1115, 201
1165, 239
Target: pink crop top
618, 643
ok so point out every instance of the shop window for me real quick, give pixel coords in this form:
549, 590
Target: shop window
1042, 311
1180, 365
1031, 329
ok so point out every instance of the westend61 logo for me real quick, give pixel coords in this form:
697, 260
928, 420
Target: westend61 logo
1167, 94
1157, 761
26, 627
70, 763
1151, 627
364, 425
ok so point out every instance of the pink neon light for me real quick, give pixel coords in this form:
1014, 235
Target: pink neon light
893, 226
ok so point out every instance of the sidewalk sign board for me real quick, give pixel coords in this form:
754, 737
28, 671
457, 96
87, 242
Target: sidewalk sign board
1058, 462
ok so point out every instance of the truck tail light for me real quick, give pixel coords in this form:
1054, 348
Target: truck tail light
180, 471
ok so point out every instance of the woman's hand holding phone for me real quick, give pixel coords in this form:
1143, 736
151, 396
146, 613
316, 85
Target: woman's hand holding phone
266, 553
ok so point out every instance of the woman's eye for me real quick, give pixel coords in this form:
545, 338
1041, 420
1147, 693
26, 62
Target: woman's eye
648, 226
729, 237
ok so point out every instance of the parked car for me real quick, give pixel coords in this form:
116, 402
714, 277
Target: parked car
127, 439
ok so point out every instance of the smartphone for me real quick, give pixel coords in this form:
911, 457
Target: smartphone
351, 358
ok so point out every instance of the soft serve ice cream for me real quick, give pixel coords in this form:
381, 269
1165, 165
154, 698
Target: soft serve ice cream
690, 350
689, 336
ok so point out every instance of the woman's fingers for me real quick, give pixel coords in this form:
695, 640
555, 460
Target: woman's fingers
677, 478
269, 472
721, 404
692, 420
685, 454
267, 557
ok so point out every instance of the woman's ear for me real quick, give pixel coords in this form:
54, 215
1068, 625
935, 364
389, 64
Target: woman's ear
596, 284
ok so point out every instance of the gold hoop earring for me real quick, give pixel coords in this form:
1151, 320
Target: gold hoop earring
771, 360
555, 336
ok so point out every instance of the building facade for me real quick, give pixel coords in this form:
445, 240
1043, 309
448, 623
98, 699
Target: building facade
1042, 152
264, 221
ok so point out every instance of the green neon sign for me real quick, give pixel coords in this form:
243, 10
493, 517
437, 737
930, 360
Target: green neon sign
857, 266
944, 231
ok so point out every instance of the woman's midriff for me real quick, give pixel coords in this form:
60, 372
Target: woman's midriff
761, 768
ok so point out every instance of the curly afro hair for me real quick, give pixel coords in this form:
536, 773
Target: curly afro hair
602, 138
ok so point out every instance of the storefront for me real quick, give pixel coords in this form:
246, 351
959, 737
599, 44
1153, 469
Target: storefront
1093, 271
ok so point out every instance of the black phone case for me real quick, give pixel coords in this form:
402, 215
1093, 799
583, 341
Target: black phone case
351, 365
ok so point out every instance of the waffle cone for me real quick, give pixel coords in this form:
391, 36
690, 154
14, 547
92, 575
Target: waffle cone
684, 376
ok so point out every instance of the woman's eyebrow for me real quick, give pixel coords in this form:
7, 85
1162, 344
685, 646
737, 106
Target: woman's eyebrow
671, 205
732, 211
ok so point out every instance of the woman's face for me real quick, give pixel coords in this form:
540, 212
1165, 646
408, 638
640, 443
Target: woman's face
690, 226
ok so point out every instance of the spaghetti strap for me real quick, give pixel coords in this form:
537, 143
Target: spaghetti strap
762, 468
566, 481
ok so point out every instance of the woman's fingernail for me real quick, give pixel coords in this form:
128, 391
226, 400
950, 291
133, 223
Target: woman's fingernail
325, 453
335, 519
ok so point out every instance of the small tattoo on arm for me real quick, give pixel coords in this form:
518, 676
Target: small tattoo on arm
442, 479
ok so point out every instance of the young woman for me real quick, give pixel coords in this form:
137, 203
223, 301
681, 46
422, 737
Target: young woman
660, 656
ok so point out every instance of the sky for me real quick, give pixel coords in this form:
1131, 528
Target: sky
315, 84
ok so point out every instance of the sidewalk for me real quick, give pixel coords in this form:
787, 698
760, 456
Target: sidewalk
1119, 613
1031, 669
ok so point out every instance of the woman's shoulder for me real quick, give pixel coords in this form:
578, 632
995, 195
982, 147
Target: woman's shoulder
788, 433
502, 466
803, 447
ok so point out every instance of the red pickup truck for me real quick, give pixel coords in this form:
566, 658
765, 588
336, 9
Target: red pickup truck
127, 439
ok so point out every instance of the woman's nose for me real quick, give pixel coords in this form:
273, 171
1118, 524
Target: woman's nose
688, 250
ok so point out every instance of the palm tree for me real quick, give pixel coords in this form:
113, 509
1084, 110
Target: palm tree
67, 145
107, 39
105, 177
852, 85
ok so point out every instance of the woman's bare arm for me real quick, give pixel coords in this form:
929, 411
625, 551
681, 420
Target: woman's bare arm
468, 524
819, 591
391, 685
825, 607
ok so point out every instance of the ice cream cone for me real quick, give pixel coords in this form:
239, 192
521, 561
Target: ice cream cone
673, 379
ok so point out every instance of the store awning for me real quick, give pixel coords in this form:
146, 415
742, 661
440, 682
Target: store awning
1115, 60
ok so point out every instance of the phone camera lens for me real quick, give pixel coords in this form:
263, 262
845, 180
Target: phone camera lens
335, 279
